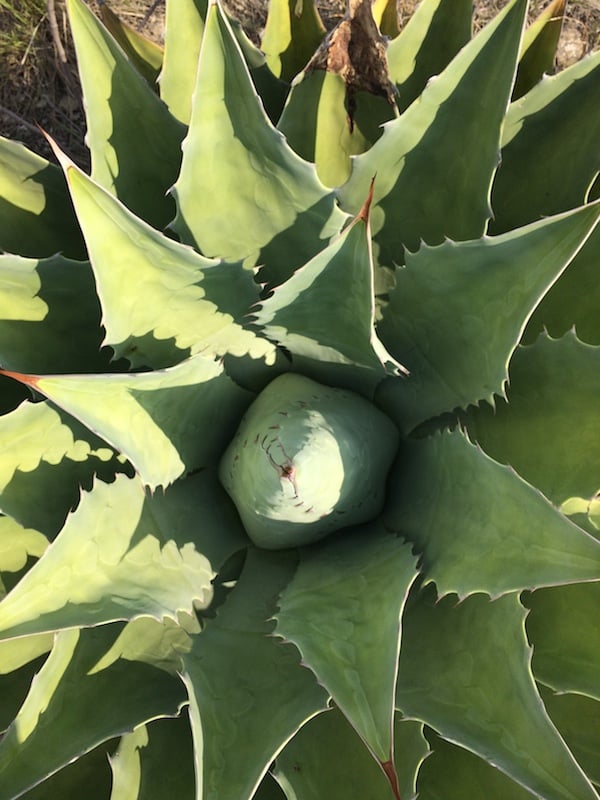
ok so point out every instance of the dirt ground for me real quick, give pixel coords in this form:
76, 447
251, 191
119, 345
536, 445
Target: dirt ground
38, 76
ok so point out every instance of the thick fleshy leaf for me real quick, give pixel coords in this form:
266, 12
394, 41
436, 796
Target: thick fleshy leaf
166, 422
458, 310
155, 762
47, 457
562, 626
68, 712
88, 776
184, 26
17, 544
269, 789
316, 124
248, 692
549, 430
113, 560
556, 123
452, 773
342, 610
145, 54
574, 300
385, 14
261, 201
433, 35
309, 315
292, 34
161, 300
135, 142
457, 506
326, 759
49, 316
470, 679
578, 719
35, 210
538, 49
20, 660
445, 142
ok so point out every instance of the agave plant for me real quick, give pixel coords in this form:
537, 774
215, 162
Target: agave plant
300, 437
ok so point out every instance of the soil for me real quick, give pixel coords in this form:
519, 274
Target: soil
38, 77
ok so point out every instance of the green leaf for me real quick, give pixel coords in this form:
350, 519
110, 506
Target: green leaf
342, 610
68, 712
491, 286
327, 759
134, 141
184, 26
248, 692
557, 450
451, 773
538, 49
49, 316
292, 33
20, 660
316, 124
47, 457
35, 209
88, 776
155, 762
17, 544
434, 34
556, 123
445, 142
578, 719
311, 317
166, 422
566, 641
160, 299
385, 14
470, 679
574, 299
144, 54
261, 202
457, 506
113, 560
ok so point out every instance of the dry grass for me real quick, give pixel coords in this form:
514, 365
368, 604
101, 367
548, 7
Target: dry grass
39, 85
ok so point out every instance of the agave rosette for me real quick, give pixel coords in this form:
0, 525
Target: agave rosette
238, 237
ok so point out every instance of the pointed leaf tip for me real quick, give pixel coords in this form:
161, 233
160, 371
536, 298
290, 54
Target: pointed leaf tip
365, 211
28, 380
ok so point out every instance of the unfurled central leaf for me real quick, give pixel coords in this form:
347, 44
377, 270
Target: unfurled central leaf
307, 460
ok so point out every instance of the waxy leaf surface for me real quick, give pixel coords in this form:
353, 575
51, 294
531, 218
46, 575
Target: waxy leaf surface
326, 756
37, 215
460, 508
342, 610
558, 451
112, 561
49, 316
443, 141
161, 300
166, 422
282, 214
134, 141
61, 719
248, 693
458, 310
470, 679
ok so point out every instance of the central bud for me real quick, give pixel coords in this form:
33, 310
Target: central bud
307, 460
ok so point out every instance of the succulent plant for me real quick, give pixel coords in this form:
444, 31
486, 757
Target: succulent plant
300, 435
